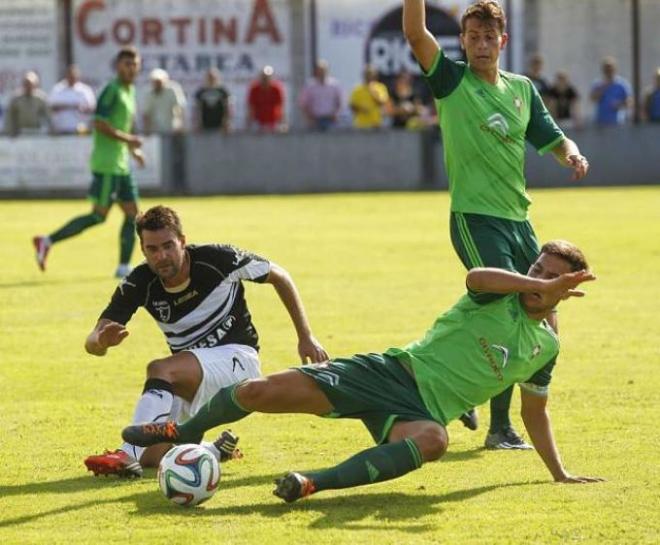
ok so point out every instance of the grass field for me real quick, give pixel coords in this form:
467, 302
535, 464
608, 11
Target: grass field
374, 271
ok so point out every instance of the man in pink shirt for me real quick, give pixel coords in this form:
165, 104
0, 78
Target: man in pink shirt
321, 99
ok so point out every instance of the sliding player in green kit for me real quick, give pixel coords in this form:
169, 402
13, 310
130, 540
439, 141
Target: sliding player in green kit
111, 175
486, 116
495, 336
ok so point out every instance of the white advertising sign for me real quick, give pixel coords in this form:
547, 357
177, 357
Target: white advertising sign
354, 32
43, 163
238, 37
28, 41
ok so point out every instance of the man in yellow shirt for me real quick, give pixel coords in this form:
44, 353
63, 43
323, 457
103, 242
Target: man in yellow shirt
368, 100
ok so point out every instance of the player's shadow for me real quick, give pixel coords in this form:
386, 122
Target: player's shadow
343, 512
151, 500
54, 282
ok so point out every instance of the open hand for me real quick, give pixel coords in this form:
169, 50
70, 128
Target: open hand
575, 479
111, 334
564, 286
579, 164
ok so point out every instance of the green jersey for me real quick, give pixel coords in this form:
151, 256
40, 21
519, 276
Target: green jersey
484, 129
116, 106
475, 351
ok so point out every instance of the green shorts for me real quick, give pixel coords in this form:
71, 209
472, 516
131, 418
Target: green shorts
374, 388
108, 188
487, 241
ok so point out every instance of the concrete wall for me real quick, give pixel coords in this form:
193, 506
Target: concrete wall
304, 162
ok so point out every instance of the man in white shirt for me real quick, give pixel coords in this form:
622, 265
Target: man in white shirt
71, 103
164, 106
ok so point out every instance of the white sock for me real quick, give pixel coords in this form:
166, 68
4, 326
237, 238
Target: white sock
211, 448
154, 406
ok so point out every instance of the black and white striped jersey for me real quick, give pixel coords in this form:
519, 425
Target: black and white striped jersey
209, 311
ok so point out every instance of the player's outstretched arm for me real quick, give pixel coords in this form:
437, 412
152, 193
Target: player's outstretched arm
106, 334
308, 347
568, 155
421, 41
491, 280
537, 422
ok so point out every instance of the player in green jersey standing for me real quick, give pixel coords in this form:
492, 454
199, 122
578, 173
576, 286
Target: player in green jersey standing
486, 116
111, 175
495, 336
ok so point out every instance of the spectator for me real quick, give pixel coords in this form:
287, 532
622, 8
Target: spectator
321, 100
535, 73
71, 104
407, 107
651, 111
212, 104
368, 101
612, 96
165, 105
564, 102
28, 110
266, 102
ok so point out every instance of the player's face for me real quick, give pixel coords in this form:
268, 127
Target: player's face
546, 266
128, 69
165, 252
482, 42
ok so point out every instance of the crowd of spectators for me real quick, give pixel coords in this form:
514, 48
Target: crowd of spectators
69, 107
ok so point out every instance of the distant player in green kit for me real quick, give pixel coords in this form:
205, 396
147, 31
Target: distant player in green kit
486, 116
111, 175
495, 336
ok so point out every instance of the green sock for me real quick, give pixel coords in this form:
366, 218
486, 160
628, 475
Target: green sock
499, 410
76, 226
127, 240
373, 465
222, 408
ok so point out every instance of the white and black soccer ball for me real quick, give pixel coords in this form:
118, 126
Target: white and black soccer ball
188, 475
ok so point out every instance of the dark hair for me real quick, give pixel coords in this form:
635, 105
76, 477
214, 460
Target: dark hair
128, 52
157, 218
568, 252
485, 10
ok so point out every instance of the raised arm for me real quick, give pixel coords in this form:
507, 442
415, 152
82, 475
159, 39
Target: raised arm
308, 346
491, 280
421, 41
537, 422
106, 334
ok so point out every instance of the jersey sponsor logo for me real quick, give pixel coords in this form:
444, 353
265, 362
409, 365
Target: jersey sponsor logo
186, 297
163, 309
498, 126
214, 338
491, 359
536, 351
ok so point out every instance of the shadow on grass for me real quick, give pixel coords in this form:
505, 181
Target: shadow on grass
151, 500
396, 510
88, 482
55, 282
346, 512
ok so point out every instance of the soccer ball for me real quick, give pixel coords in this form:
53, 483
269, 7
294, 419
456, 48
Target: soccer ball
188, 475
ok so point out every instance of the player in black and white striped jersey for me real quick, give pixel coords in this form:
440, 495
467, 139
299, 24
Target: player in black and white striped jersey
195, 294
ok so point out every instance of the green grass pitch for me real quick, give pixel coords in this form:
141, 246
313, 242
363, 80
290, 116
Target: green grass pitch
374, 271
